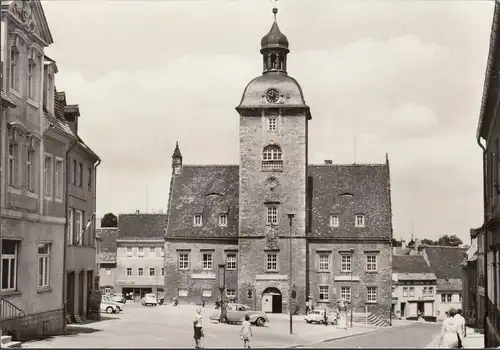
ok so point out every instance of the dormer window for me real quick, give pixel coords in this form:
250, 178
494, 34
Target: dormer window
334, 220
360, 220
14, 68
272, 158
197, 220
223, 220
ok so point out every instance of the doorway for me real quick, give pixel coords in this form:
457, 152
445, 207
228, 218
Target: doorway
81, 292
70, 294
272, 301
420, 309
403, 310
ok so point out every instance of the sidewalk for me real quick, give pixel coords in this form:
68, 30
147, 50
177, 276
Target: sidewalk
473, 340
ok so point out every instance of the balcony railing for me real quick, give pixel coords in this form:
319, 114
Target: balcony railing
272, 165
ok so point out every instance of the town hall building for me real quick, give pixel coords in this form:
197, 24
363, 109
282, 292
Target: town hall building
238, 215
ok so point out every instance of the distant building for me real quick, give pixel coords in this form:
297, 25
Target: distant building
414, 288
106, 252
488, 132
140, 254
473, 281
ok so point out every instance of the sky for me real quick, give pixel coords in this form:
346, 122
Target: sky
400, 77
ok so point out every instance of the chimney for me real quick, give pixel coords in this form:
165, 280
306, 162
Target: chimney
328, 162
71, 114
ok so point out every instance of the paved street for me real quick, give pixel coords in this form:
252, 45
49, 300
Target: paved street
415, 335
167, 326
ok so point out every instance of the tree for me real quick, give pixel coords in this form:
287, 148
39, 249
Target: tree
427, 241
449, 241
109, 220
396, 243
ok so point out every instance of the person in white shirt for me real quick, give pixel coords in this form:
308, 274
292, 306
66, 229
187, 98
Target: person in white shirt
460, 322
448, 336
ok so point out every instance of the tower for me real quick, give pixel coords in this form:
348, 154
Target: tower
176, 160
273, 178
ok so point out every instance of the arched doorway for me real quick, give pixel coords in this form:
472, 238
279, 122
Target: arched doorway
272, 300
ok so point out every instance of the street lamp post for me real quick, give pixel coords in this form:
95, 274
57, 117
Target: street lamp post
290, 216
352, 254
222, 285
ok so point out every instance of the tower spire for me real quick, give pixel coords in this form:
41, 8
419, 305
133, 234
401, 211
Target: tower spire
275, 10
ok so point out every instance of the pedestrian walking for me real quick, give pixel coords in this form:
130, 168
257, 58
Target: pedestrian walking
246, 332
308, 305
461, 330
198, 328
448, 336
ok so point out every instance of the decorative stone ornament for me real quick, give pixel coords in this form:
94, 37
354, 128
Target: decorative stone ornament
272, 183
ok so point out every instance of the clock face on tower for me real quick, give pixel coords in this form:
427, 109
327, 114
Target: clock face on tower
272, 95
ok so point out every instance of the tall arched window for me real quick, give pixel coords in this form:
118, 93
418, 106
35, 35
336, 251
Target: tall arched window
272, 158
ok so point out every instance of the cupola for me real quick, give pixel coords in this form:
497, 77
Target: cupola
274, 48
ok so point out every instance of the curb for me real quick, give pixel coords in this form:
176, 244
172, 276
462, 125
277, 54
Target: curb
338, 338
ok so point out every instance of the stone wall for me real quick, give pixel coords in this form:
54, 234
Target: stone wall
35, 326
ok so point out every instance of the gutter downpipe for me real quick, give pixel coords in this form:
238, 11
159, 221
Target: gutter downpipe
485, 238
66, 197
97, 265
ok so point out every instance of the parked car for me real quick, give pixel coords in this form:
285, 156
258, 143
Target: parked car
109, 306
149, 299
318, 316
109, 299
237, 312
118, 298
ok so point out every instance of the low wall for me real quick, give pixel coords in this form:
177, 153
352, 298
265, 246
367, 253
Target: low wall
34, 326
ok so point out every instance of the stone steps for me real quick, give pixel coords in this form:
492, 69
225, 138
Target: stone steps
8, 343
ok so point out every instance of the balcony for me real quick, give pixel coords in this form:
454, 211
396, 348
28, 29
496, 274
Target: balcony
80, 257
272, 165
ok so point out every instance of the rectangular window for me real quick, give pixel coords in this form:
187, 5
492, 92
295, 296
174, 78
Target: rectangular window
151, 271
162, 252
334, 220
448, 298
424, 291
59, 178
345, 293
323, 293
30, 169
431, 291
31, 80
459, 298
43, 265
71, 226
207, 261
412, 291
129, 252
345, 263
272, 124
223, 220
14, 57
129, 271
74, 173
141, 252
272, 262
183, 292
197, 220
89, 174
405, 291
231, 261
108, 272
9, 265
80, 174
207, 293
183, 261
371, 263
140, 271
79, 227
13, 164
152, 249
443, 298
48, 175
272, 215
323, 261
231, 293
163, 271
360, 220
371, 294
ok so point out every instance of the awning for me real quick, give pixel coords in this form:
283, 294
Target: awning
472, 251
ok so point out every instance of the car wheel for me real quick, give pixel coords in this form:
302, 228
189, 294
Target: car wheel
260, 322
308, 321
109, 310
225, 320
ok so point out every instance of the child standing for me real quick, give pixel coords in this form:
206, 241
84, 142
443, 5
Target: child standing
246, 332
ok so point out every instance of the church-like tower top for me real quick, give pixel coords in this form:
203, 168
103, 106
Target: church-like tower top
275, 39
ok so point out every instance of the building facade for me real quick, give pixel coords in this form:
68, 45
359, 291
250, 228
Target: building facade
238, 215
471, 299
140, 254
414, 288
106, 253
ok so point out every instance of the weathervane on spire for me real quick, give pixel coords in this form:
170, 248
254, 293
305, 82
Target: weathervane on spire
275, 9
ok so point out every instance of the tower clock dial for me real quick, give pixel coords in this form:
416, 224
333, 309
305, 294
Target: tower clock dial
272, 95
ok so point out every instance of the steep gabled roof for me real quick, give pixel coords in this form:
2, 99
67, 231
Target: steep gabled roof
141, 226
445, 261
107, 245
348, 190
410, 264
209, 190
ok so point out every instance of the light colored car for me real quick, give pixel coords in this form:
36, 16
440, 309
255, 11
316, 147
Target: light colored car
149, 299
237, 312
118, 298
109, 306
318, 316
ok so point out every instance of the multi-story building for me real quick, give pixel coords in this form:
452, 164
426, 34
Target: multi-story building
140, 254
414, 288
238, 215
488, 134
471, 299
106, 255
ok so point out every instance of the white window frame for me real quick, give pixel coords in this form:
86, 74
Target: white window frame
371, 294
59, 178
197, 220
108, 272
334, 220
79, 227
207, 259
405, 292
14, 71
272, 123
31, 169
43, 274
206, 293
231, 261
31, 80
129, 252
223, 220
371, 266
71, 226
231, 293
324, 261
346, 263
411, 292
182, 292
324, 293
140, 271
360, 220
272, 215
48, 171
431, 291
50, 93
162, 252
12, 258
449, 298
140, 252
183, 260
272, 262
272, 153
152, 269
13, 163
345, 293
152, 249
128, 271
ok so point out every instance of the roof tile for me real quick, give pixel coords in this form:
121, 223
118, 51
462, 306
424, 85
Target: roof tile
445, 261
141, 226
410, 264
